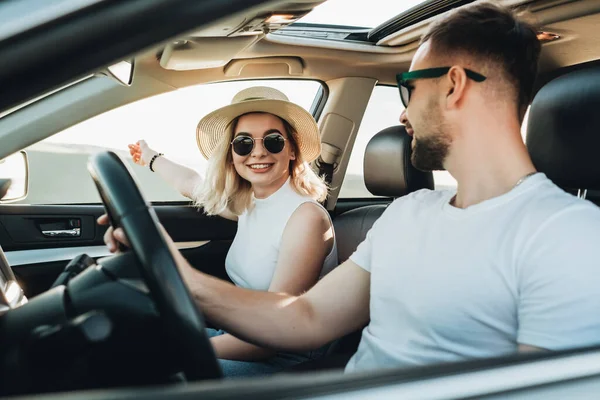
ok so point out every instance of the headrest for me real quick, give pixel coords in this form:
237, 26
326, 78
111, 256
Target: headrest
387, 168
563, 131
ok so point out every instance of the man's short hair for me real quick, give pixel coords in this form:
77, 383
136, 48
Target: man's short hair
492, 33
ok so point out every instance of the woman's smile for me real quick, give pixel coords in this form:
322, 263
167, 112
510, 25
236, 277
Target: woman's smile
260, 168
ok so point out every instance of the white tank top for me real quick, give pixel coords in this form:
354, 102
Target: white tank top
252, 258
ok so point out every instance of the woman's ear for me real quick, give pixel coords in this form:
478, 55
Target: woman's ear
292, 151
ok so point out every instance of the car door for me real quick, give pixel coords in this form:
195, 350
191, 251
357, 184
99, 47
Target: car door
57, 220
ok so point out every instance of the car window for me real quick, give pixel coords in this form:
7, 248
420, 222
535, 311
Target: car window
383, 111
524, 125
57, 165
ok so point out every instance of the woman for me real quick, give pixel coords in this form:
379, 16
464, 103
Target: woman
258, 149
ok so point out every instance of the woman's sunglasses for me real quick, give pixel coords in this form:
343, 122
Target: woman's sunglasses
243, 145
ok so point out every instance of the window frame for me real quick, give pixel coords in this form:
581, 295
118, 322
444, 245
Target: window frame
315, 108
364, 199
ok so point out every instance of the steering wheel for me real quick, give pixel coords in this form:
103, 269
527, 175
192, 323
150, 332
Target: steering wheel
127, 208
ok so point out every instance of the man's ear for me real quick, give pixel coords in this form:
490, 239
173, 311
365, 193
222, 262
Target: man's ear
456, 83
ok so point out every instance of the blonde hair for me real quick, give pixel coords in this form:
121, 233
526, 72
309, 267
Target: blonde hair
225, 190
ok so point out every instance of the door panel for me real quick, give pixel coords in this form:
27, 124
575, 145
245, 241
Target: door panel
40, 240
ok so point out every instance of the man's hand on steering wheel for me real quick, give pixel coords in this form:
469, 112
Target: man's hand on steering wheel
113, 236
159, 263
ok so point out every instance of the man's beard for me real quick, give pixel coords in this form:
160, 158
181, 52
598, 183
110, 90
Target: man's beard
430, 153
431, 149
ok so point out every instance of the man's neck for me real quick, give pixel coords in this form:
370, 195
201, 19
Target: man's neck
486, 169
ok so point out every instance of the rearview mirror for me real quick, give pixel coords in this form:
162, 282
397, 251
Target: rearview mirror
122, 72
14, 177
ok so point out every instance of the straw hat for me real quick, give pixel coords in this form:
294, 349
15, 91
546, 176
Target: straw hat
211, 129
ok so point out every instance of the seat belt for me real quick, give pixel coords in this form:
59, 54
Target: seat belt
327, 162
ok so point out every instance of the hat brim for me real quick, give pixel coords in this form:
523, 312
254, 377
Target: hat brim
212, 128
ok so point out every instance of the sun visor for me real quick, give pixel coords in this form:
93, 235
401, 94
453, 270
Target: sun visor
201, 53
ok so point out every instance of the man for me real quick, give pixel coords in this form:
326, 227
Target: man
507, 263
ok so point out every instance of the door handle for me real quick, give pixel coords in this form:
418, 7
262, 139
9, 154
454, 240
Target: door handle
60, 227
74, 232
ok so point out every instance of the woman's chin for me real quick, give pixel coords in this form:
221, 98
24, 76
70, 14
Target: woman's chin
265, 181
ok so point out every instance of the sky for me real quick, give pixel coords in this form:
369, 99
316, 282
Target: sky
357, 13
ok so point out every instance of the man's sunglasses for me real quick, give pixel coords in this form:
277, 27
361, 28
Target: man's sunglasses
243, 144
429, 73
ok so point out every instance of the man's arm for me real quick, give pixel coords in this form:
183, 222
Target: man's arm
228, 347
525, 348
335, 306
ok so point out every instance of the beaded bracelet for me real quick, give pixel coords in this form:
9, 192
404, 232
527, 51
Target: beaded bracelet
154, 159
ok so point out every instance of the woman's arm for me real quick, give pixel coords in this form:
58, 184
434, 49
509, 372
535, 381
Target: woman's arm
306, 242
182, 178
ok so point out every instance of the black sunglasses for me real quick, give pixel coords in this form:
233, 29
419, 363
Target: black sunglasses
406, 88
273, 142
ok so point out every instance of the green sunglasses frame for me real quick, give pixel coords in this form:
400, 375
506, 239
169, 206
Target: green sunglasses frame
428, 73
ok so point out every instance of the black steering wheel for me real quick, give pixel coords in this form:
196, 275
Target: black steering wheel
126, 208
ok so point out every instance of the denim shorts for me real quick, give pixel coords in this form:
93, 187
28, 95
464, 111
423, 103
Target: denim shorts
282, 361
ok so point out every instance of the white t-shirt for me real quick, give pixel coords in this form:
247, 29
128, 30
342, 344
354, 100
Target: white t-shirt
253, 255
450, 284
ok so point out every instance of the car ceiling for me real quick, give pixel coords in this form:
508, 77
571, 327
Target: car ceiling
279, 56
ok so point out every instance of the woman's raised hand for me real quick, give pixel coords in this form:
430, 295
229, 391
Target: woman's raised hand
141, 153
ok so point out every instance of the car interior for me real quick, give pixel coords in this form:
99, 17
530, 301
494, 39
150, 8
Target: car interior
73, 317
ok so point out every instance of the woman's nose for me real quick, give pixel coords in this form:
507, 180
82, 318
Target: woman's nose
259, 148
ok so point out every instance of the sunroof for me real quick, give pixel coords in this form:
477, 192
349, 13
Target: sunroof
365, 14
